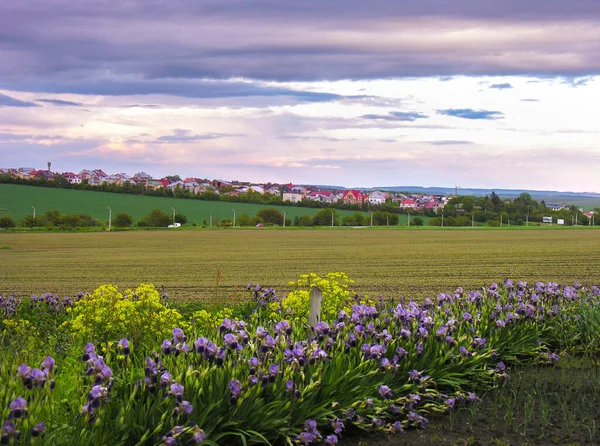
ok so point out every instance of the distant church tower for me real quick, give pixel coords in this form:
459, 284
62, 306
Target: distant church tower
49, 164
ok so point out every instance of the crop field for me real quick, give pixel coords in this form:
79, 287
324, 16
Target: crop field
204, 264
17, 201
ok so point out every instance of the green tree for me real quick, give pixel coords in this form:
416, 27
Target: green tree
271, 215
416, 221
30, 222
122, 220
156, 218
180, 218
323, 217
244, 220
7, 222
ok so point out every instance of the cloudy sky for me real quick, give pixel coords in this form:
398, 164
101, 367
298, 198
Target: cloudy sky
495, 93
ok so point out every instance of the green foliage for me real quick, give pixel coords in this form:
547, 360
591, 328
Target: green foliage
326, 217
156, 218
122, 220
7, 222
180, 218
270, 215
356, 219
416, 221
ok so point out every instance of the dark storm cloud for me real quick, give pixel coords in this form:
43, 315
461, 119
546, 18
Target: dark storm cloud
135, 47
59, 102
469, 113
396, 116
201, 89
7, 101
504, 86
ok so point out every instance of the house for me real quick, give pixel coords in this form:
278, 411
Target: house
273, 190
294, 197
141, 177
174, 185
433, 205
44, 175
71, 178
556, 207
86, 174
100, 174
153, 184
378, 197
113, 179
322, 196
220, 184
408, 204
354, 196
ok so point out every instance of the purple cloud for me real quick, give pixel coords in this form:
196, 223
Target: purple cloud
504, 86
183, 136
117, 48
7, 101
59, 102
396, 116
469, 113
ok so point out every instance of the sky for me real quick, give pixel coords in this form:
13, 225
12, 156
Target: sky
490, 94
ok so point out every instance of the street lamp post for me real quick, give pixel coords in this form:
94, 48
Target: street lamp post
284, 219
109, 217
173, 215
33, 212
332, 219
234, 218
442, 219
371, 219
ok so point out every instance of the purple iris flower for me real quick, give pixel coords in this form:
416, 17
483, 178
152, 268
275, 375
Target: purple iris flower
38, 429
338, 425
200, 344
38, 377
178, 335
48, 363
553, 358
166, 346
397, 426
184, 408
231, 341
235, 388
124, 345
283, 327
331, 440
385, 392
18, 408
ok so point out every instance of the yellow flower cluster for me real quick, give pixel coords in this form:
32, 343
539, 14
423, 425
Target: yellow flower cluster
336, 296
205, 321
108, 315
19, 334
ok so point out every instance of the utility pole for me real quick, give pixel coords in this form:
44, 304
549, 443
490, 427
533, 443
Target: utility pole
332, 219
284, 219
211, 220
109, 217
408, 219
33, 212
173, 214
442, 219
371, 219
234, 218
